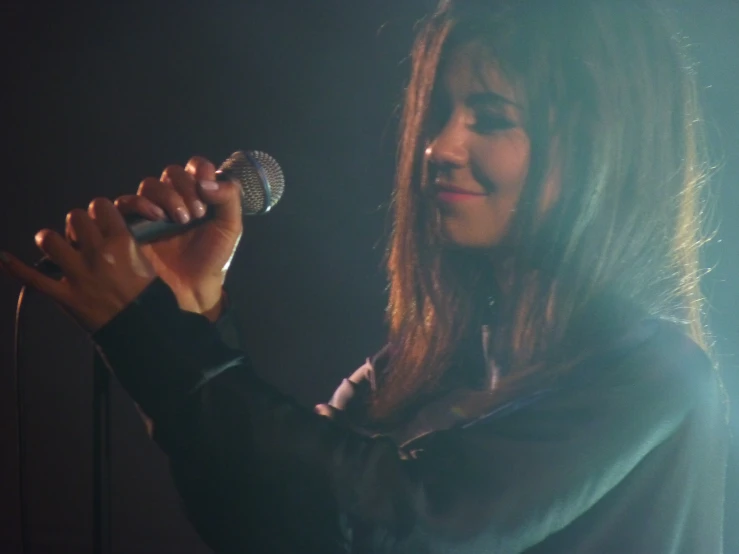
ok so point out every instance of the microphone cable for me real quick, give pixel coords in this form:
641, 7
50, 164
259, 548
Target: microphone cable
101, 529
20, 424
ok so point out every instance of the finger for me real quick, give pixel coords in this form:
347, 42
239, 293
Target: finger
133, 204
224, 196
109, 220
200, 168
184, 183
83, 232
324, 410
60, 252
58, 290
166, 197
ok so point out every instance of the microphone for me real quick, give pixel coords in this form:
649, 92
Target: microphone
262, 184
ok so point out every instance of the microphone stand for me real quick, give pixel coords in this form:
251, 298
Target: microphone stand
101, 459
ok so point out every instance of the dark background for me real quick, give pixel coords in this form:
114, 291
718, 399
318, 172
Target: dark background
97, 97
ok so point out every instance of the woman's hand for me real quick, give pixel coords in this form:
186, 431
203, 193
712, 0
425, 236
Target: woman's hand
193, 263
103, 267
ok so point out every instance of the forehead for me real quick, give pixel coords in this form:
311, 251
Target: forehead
470, 68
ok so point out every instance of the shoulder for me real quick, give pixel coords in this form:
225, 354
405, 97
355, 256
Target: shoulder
647, 383
671, 352
660, 355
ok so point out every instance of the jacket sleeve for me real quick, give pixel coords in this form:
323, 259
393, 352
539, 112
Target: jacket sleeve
228, 329
254, 468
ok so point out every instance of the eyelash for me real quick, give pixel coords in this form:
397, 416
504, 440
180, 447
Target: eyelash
486, 123
489, 123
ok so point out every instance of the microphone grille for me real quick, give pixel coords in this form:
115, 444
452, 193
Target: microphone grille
261, 179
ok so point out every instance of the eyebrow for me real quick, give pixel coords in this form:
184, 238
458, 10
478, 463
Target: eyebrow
487, 98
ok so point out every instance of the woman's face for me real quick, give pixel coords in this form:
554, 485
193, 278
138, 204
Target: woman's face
479, 155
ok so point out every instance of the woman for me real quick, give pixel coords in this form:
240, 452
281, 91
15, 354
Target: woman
545, 387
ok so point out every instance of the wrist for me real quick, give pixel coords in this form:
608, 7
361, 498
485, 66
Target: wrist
210, 305
214, 311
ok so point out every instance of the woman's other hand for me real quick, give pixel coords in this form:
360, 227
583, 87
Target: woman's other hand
193, 263
103, 267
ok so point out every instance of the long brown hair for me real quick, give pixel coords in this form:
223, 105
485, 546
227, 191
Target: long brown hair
627, 224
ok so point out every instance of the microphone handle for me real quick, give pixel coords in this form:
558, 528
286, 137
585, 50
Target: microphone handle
144, 231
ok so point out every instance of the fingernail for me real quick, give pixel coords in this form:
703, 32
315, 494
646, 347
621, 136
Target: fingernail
157, 212
182, 215
209, 185
198, 208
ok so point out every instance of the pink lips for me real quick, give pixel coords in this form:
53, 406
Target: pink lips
449, 193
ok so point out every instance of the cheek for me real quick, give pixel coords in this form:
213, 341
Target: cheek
494, 217
505, 163
505, 166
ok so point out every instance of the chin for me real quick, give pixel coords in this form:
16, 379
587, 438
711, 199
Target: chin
457, 237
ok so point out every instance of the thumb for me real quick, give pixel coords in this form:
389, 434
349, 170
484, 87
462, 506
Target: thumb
225, 199
223, 196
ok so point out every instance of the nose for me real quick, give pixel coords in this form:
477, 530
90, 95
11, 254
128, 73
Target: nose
449, 147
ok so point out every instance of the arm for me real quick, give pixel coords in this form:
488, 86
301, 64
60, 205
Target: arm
255, 468
227, 324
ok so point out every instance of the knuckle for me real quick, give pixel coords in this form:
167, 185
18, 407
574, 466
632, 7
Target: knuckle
98, 203
124, 200
179, 179
171, 196
198, 162
172, 172
104, 256
73, 216
149, 184
44, 237
159, 193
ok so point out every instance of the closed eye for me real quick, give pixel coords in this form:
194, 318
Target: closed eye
487, 123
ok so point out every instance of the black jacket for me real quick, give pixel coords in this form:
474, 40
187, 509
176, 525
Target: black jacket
626, 457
